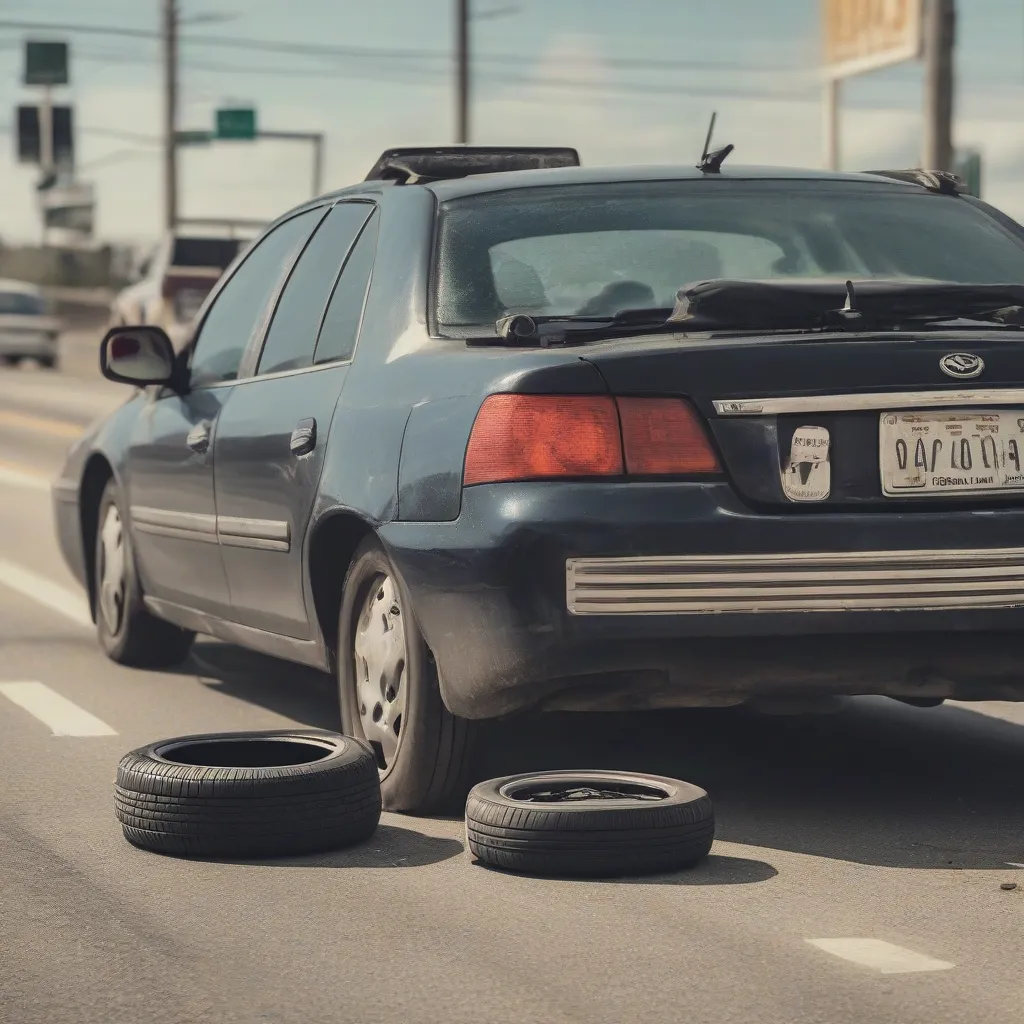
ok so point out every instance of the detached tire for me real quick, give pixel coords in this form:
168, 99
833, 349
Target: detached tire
589, 824
248, 794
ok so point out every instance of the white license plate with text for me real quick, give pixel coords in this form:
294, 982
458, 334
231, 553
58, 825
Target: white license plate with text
951, 452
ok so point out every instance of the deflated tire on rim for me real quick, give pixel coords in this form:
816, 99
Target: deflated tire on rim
589, 823
256, 794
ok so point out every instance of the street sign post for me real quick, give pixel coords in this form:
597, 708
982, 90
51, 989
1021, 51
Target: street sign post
190, 138
236, 123
46, 63
860, 36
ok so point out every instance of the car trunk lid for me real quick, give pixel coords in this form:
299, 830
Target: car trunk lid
840, 407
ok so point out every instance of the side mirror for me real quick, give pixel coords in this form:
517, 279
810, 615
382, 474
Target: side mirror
137, 355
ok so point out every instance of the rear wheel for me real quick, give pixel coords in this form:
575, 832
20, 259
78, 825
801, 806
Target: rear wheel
127, 632
12, 360
389, 692
47, 362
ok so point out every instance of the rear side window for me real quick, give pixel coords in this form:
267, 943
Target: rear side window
292, 336
345, 311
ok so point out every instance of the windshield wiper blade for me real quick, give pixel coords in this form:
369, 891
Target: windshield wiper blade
521, 329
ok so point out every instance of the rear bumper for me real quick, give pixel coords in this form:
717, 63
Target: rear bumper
31, 345
611, 595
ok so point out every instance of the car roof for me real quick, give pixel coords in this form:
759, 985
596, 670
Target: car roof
8, 284
481, 183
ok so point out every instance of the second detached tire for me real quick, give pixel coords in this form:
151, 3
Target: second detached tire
248, 794
589, 823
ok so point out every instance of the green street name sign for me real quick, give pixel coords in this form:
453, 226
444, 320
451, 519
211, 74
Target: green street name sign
236, 123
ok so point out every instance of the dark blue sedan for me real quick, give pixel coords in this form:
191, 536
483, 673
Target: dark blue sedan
490, 432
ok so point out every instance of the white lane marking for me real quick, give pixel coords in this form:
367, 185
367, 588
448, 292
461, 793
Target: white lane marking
45, 592
17, 478
881, 956
64, 717
1012, 864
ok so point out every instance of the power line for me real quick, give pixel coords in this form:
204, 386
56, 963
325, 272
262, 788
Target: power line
425, 75
366, 52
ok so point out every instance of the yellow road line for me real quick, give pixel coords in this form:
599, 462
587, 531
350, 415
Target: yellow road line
21, 476
40, 424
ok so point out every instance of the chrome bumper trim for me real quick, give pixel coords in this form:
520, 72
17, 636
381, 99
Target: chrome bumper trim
882, 401
805, 582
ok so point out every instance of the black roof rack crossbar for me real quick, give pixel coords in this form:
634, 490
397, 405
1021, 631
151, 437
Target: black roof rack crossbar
935, 181
416, 165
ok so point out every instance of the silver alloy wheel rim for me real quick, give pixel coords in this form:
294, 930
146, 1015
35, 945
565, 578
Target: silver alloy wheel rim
380, 669
113, 585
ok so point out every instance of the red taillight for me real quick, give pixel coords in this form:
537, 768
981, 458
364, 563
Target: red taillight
530, 437
664, 437
535, 437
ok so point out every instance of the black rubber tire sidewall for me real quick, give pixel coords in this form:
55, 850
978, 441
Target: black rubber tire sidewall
589, 839
430, 772
142, 640
190, 810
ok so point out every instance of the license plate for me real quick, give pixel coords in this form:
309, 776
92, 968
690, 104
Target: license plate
951, 452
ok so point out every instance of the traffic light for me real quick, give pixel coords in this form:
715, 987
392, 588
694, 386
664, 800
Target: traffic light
29, 149
29, 136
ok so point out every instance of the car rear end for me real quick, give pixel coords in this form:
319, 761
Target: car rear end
701, 518
28, 330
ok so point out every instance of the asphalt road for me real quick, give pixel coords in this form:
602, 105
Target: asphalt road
856, 875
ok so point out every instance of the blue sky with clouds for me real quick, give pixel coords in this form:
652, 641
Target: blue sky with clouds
624, 82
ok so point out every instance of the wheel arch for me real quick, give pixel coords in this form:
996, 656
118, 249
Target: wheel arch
97, 474
332, 544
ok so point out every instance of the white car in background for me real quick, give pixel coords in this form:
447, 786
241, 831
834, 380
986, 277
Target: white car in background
28, 329
174, 281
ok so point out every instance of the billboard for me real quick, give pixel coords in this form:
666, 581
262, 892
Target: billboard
864, 35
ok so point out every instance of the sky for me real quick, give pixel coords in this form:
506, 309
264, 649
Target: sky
628, 82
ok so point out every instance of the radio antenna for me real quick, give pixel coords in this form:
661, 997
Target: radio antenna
711, 163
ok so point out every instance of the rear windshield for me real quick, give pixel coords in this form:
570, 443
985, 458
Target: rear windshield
21, 304
599, 250
204, 252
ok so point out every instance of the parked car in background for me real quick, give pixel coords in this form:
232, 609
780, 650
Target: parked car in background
578, 438
174, 281
28, 329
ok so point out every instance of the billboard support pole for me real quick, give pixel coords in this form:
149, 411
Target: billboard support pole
831, 124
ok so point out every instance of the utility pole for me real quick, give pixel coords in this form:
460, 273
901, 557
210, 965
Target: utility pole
170, 41
939, 42
462, 71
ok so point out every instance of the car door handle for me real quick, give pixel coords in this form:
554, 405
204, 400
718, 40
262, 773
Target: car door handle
303, 439
199, 437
